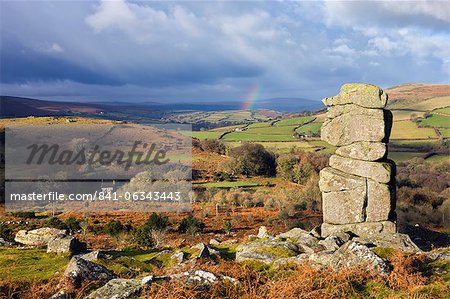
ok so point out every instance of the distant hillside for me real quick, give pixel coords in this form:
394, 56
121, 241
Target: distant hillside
414, 95
22, 107
141, 112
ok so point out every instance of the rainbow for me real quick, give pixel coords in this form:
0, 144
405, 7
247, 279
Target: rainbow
252, 97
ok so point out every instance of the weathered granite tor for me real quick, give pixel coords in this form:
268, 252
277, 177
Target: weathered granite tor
358, 189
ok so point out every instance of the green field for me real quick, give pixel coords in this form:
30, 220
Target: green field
272, 130
404, 156
445, 110
295, 121
206, 134
248, 136
311, 128
226, 129
28, 264
445, 133
428, 105
439, 158
406, 114
436, 120
260, 125
409, 130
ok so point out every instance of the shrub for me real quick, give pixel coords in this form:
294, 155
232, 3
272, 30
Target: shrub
214, 146
250, 159
227, 226
6, 233
157, 221
143, 236
153, 232
56, 223
191, 225
28, 215
72, 224
113, 228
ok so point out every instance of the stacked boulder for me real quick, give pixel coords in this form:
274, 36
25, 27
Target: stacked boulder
358, 189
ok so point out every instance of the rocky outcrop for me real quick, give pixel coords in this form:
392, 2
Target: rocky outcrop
358, 190
40, 236
66, 245
266, 251
80, 270
120, 288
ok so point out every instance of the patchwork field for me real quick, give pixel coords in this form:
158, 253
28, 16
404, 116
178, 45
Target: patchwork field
421, 116
410, 130
436, 120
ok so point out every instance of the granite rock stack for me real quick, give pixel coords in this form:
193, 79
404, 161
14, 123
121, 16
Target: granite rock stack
358, 189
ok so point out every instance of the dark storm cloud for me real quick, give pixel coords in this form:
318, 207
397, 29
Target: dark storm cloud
217, 50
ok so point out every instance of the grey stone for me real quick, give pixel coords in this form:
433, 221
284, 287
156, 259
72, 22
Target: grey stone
214, 242
332, 180
203, 250
365, 95
349, 128
60, 295
344, 206
80, 270
364, 150
332, 243
40, 236
230, 241
266, 251
94, 256
363, 229
353, 254
336, 111
378, 171
178, 257
263, 233
118, 288
391, 240
379, 201
306, 240
295, 233
66, 245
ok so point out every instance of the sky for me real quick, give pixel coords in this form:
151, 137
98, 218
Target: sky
217, 51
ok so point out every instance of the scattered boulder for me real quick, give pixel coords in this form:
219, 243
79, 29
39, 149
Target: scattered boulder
396, 241
214, 242
331, 243
40, 236
295, 233
60, 295
354, 253
263, 233
94, 256
201, 277
306, 240
363, 229
230, 241
203, 250
80, 270
178, 257
120, 288
3, 242
66, 245
266, 251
